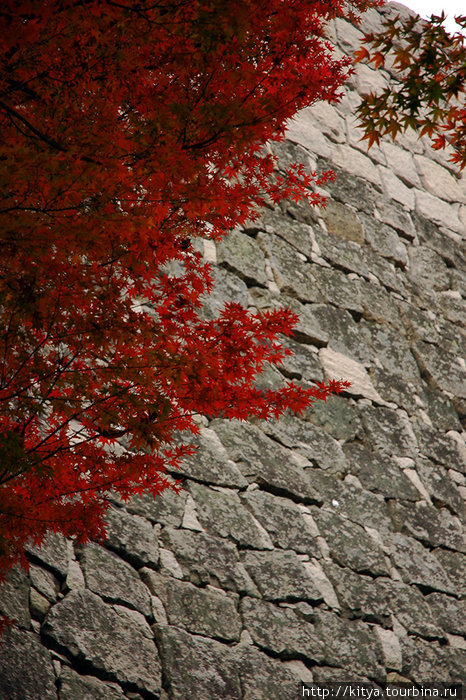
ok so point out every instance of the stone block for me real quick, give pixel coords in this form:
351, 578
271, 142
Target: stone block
448, 613
210, 463
349, 543
309, 441
14, 597
292, 275
341, 220
222, 513
417, 565
388, 432
113, 579
281, 630
401, 162
53, 553
206, 611
263, 460
75, 687
438, 181
243, 255
197, 667
280, 576
454, 564
438, 211
26, 670
337, 288
205, 559
428, 524
283, 521
338, 416
167, 508
132, 537
378, 473
338, 366
105, 637
427, 269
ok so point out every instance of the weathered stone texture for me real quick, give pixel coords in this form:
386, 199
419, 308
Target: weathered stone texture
328, 546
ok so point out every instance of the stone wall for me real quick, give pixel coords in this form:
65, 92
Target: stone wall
325, 548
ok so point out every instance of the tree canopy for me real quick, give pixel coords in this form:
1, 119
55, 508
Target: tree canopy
430, 65
128, 131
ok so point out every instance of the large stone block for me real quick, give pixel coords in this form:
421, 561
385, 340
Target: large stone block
104, 637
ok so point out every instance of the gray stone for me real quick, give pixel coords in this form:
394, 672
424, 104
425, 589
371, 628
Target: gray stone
379, 473
337, 416
263, 460
341, 220
14, 597
392, 213
449, 614
347, 255
75, 687
227, 287
416, 564
53, 552
45, 582
377, 303
350, 189
427, 269
387, 433
222, 513
280, 576
429, 525
384, 241
308, 440
295, 233
394, 389
390, 348
442, 490
292, 275
206, 611
344, 335
440, 448
378, 599
384, 270
210, 463
351, 644
243, 255
167, 508
283, 521
113, 579
454, 564
441, 367
308, 330
281, 630
302, 363
349, 500
433, 237
26, 671
349, 543
104, 637
207, 559
418, 323
430, 663
196, 667
262, 677
132, 537
337, 288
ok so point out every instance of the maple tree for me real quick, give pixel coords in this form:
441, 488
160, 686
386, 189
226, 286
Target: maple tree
430, 69
128, 131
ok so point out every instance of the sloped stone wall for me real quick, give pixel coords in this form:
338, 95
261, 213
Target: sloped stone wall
328, 547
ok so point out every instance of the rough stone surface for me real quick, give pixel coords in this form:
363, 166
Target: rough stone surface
327, 546
105, 638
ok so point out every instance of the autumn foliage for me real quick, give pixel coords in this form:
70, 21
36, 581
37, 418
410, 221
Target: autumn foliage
430, 67
128, 131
